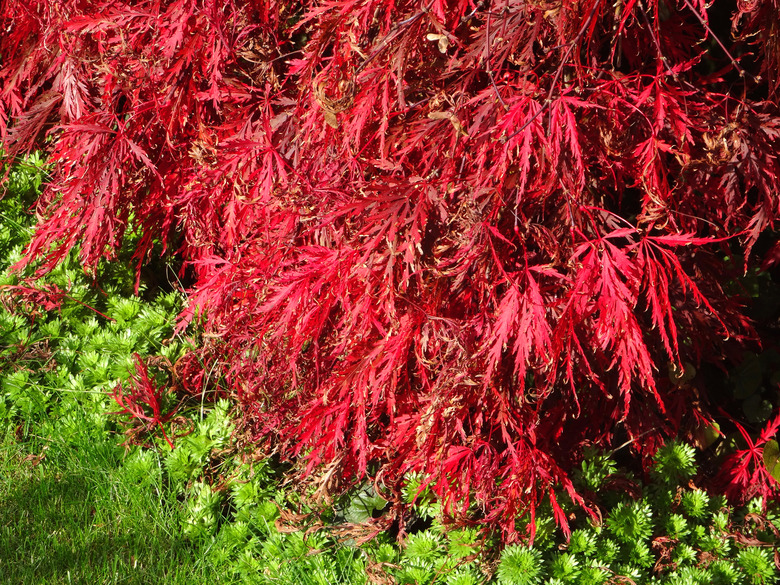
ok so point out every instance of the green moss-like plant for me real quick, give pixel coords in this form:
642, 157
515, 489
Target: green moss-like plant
757, 565
520, 565
675, 462
631, 522
565, 567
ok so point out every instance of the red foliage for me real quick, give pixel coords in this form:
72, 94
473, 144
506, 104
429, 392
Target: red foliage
143, 402
35, 299
450, 236
744, 474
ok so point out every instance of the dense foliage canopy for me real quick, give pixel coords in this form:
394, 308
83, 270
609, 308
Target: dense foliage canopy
464, 238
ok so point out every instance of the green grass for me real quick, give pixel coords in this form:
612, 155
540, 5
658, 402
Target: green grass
80, 508
79, 515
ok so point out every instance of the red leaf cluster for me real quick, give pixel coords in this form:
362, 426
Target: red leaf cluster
143, 402
744, 474
46, 298
449, 236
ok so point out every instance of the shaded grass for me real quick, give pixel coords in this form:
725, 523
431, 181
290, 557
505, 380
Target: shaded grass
80, 516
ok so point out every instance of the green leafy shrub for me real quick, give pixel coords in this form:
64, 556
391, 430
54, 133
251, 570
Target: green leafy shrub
630, 522
674, 463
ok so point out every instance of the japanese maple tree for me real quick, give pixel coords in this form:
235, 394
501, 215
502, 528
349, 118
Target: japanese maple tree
463, 238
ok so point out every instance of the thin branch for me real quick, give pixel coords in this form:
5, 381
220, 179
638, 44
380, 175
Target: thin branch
656, 43
549, 99
706, 26
488, 46
471, 14
392, 35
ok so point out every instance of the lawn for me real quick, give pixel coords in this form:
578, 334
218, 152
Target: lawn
76, 513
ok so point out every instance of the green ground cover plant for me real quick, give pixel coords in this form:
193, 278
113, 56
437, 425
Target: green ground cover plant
90, 491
